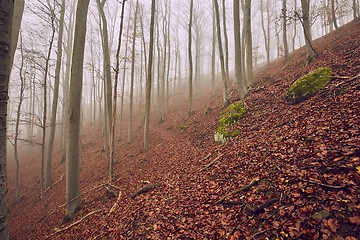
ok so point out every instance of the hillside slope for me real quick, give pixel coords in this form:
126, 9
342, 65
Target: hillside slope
301, 160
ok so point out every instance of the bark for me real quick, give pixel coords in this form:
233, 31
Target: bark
117, 69
307, 31
48, 179
333, 14
284, 32
73, 116
237, 41
266, 36
213, 54
132, 73
221, 55
107, 69
248, 40
7, 8
226, 41
149, 79
190, 58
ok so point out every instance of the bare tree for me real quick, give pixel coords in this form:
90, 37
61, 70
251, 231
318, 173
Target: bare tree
305, 20
73, 199
237, 41
284, 29
149, 78
190, 57
248, 40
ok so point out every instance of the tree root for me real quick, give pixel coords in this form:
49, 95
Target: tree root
115, 205
212, 162
62, 176
144, 189
58, 230
242, 189
258, 208
324, 185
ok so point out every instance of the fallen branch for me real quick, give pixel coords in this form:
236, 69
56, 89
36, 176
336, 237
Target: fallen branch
55, 182
324, 185
115, 204
99, 186
260, 207
212, 162
73, 224
206, 158
144, 189
242, 189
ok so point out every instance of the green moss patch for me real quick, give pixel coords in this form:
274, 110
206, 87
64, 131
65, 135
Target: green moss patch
232, 114
308, 85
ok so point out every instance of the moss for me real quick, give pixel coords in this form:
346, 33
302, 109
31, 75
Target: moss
308, 85
231, 115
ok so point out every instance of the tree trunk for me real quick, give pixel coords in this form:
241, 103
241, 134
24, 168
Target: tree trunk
237, 40
7, 8
248, 40
73, 199
117, 69
132, 73
190, 58
213, 53
148, 79
221, 55
48, 179
307, 32
284, 32
266, 37
333, 14
226, 41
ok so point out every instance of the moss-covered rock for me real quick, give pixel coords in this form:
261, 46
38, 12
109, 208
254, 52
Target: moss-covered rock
308, 85
231, 115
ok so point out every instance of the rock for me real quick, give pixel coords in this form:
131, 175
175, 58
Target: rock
308, 85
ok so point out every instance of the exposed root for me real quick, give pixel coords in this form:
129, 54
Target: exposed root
144, 189
242, 189
258, 208
212, 162
116, 204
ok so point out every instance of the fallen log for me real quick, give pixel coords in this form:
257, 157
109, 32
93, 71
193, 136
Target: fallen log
144, 189
242, 189
258, 208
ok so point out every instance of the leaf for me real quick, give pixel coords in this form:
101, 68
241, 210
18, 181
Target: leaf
358, 169
355, 219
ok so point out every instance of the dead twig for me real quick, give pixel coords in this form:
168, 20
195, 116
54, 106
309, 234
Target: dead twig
73, 224
324, 185
206, 158
115, 204
144, 189
242, 189
212, 162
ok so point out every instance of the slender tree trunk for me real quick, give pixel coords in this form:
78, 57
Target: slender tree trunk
333, 14
248, 36
190, 58
117, 69
148, 79
226, 41
284, 32
73, 199
132, 73
221, 55
307, 31
266, 36
213, 53
237, 40
48, 179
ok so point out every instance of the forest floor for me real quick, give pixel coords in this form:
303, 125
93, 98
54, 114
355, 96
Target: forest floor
300, 160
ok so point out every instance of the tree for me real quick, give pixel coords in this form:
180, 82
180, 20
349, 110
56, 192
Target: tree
355, 7
237, 41
73, 199
48, 179
132, 73
248, 40
117, 70
221, 55
305, 20
266, 34
333, 14
149, 78
7, 8
190, 57
226, 41
284, 21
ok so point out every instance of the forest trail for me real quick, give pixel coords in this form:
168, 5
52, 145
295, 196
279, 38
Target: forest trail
301, 160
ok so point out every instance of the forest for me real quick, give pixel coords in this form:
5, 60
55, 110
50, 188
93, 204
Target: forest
170, 119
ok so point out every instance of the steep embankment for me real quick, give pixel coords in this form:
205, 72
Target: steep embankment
300, 158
